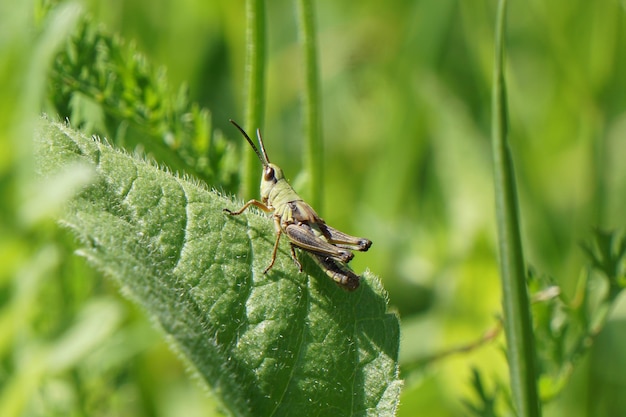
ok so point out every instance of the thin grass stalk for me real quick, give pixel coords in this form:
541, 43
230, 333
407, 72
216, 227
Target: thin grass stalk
517, 316
313, 149
255, 90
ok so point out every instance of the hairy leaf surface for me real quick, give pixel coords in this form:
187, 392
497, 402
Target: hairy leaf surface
275, 344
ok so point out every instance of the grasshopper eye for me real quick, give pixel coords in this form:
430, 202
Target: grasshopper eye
269, 174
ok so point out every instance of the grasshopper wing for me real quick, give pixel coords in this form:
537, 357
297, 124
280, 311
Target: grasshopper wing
343, 240
303, 237
301, 212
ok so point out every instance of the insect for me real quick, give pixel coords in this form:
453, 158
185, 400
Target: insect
305, 229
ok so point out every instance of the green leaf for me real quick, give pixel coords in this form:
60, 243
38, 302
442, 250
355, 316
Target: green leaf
281, 343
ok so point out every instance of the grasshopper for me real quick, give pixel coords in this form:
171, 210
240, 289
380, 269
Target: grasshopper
305, 229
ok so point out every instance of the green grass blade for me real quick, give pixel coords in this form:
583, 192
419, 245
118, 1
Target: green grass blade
518, 324
278, 344
314, 150
255, 88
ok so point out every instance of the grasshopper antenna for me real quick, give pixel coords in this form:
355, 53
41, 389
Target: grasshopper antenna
258, 135
262, 156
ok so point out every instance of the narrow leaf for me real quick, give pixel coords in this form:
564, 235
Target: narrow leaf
275, 344
517, 319
314, 149
255, 88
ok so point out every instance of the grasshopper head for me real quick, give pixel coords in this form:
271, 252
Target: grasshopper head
271, 175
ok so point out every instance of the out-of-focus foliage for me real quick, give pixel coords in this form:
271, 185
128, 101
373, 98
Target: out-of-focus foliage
566, 327
108, 88
406, 124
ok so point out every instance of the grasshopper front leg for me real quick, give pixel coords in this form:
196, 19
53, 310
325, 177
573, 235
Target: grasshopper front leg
256, 203
266, 209
279, 232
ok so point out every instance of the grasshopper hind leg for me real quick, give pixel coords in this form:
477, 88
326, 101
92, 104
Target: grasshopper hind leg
341, 274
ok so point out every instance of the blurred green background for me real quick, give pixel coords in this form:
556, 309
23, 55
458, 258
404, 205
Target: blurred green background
405, 95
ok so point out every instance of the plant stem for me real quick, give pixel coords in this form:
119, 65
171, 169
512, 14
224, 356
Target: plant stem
518, 325
313, 154
255, 89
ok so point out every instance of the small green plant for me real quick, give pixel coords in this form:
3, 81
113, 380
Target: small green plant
565, 327
106, 87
